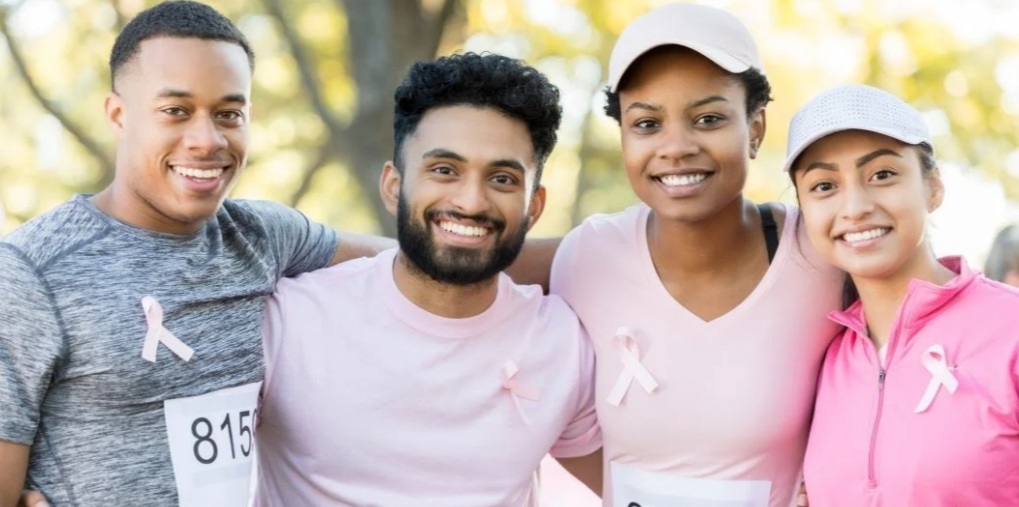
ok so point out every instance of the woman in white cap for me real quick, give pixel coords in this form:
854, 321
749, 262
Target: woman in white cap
918, 397
708, 319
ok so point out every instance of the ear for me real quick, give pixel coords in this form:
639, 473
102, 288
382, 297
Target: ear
935, 190
389, 186
758, 125
536, 207
114, 107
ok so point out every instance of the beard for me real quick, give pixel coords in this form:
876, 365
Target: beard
455, 265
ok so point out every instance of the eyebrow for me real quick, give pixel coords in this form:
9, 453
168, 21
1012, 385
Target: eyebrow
693, 105
452, 155
184, 94
860, 162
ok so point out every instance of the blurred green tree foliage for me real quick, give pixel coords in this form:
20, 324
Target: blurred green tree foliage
326, 70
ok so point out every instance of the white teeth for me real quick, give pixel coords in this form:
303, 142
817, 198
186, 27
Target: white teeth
201, 174
854, 237
676, 180
464, 230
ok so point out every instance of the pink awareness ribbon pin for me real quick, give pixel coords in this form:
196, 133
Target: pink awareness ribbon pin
629, 354
157, 333
517, 391
941, 375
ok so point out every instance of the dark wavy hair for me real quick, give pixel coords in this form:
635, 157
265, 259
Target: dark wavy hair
754, 83
174, 18
480, 80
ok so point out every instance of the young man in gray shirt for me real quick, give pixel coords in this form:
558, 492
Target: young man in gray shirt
130, 348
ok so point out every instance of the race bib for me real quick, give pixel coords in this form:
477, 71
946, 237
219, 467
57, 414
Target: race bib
633, 487
212, 446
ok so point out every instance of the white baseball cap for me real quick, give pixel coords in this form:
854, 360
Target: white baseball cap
854, 107
714, 33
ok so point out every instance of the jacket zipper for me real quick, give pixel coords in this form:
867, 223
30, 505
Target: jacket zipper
871, 476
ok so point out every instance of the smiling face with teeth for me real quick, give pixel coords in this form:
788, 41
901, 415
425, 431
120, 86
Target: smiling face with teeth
467, 194
180, 113
865, 198
686, 135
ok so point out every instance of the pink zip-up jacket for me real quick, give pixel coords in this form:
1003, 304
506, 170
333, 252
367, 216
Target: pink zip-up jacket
937, 425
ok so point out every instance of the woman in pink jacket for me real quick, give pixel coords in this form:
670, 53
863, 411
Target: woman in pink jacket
917, 399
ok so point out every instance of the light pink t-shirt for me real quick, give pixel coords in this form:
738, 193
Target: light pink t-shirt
370, 400
685, 404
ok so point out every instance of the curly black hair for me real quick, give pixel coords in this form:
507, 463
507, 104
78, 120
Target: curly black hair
754, 83
481, 80
174, 18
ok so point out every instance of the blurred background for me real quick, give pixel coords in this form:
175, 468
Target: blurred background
326, 70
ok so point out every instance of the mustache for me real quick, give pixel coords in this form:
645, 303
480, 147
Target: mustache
482, 220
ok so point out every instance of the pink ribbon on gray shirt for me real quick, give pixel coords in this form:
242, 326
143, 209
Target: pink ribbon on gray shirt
157, 333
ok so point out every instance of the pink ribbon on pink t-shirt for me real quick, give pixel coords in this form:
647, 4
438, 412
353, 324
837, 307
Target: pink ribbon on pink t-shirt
517, 391
157, 333
941, 375
629, 354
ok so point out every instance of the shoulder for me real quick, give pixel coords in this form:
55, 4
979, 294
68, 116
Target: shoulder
54, 233
599, 236
341, 278
612, 225
254, 212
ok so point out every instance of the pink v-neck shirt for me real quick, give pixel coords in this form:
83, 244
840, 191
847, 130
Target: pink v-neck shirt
937, 426
734, 395
370, 400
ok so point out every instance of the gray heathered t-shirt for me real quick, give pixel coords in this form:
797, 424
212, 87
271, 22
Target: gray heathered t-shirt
73, 383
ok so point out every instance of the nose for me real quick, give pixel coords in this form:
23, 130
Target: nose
677, 142
203, 136
857, 202
471, 197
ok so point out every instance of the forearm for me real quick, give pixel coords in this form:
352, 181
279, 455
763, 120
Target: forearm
587, 469
534, 264
13, 467
354, 246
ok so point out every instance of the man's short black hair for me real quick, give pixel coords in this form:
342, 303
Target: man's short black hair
480, 80
754, 83
174, 18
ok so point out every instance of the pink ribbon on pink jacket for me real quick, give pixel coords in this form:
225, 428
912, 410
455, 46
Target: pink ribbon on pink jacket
157, 333
941, 375
517, 391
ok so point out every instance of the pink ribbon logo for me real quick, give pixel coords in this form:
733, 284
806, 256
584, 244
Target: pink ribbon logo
517, 391
157, 333
629, 354
941, 375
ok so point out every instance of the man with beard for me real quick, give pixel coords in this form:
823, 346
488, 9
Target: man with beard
424, 376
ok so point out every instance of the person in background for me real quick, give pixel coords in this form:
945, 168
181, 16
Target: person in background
424, 376
918, 397
1003, 259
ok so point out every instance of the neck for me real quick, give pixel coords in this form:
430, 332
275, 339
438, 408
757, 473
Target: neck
442, 299
705, 247
140, 214
882, 297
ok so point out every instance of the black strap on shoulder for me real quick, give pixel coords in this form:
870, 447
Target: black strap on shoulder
770, 230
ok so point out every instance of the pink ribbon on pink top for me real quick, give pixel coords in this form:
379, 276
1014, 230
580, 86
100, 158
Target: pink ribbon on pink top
157, 333
517, 391
941, 375
629, 354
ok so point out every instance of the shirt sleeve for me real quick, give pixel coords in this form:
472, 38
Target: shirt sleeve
583, 435
299, 244
31, 341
